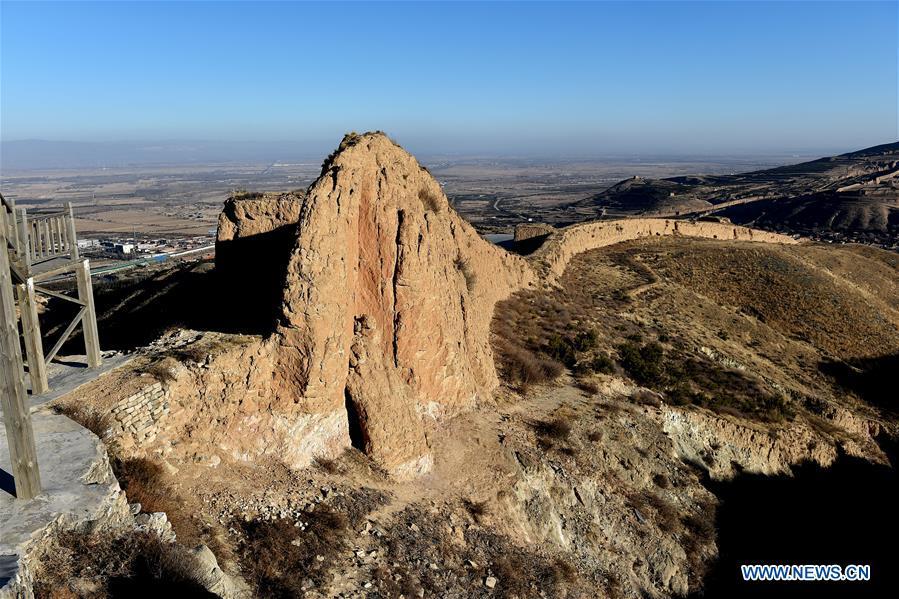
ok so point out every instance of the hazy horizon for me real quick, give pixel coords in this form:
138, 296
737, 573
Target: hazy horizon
287, 80
25, 155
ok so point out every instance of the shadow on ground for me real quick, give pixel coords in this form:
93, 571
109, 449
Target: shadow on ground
872, 379
845, 514
132, 311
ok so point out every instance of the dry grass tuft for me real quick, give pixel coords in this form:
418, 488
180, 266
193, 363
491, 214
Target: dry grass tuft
558, 428
661, 481
117, 563
519, 576
588, 387
92, 420
326, 465
281, 559
658, 509
523, 368
144, 482
429, 199
471, 279
477, 509
162, 370
418, 537
277, 557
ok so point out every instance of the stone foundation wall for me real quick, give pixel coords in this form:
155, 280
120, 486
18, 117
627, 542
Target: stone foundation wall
136, 418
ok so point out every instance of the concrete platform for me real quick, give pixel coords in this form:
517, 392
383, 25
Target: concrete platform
67, 373
78, 487
77, 483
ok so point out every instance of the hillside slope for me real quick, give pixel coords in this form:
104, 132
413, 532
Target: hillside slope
853, 196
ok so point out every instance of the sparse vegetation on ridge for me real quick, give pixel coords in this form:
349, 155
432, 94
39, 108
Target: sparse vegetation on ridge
589, 325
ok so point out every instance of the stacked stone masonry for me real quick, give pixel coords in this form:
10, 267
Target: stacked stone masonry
136, 419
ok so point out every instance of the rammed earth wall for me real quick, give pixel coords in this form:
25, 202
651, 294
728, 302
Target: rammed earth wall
553, 256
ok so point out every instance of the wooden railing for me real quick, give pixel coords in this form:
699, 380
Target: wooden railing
49, 235
40, 237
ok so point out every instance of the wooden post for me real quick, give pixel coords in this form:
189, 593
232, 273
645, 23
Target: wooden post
16, 416
12, 229
70, 231
24, 246
31, 330
48, 240
89, 322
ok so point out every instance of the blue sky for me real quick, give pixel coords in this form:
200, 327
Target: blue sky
507, 77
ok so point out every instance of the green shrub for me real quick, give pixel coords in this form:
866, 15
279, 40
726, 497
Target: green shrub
643, 363
584, 341
602, 363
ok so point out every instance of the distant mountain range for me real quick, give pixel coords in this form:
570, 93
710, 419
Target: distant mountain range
852, 197
42, 154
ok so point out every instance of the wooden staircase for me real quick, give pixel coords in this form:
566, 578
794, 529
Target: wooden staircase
41, 246
38, 246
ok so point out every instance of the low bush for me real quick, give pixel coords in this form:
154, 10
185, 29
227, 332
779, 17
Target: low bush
523, 368
602, 363
588, 387
646, 397
243, 194
644, 363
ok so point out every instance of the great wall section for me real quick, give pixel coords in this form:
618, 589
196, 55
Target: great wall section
561, 245
386, 296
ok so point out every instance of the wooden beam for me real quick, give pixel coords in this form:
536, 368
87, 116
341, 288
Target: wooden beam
31, 331
17, 275
16, 416
48, 240
89, 324
48, 274
65, 335
57, 294
24, 240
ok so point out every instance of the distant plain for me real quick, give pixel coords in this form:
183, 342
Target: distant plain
184, 200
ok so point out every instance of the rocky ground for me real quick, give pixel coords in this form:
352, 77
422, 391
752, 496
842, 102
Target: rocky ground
358, 439
593, 484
